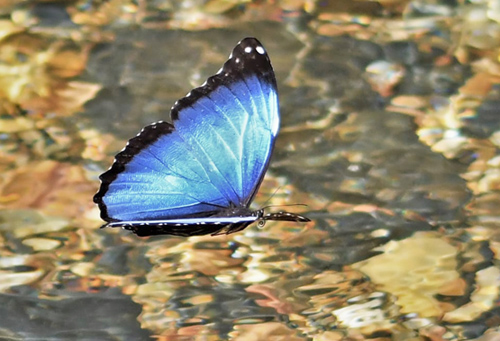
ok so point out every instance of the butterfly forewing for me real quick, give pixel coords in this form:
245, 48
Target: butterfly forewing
212, 157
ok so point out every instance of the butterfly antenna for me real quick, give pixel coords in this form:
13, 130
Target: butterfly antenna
286, 205
272, 195
268, 199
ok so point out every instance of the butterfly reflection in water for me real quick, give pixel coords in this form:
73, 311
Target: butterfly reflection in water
199, 174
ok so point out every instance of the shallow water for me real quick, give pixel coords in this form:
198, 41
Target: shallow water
389, 136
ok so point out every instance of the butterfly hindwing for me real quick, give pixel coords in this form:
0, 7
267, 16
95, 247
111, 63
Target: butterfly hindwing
212, 157
188, 227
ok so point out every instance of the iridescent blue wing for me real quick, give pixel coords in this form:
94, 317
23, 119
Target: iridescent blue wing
210, 159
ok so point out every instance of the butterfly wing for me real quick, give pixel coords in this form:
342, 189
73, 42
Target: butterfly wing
188, 226
213, 155
187, 230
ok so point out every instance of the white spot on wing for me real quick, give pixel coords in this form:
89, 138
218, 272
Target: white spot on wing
248, 49
260, 50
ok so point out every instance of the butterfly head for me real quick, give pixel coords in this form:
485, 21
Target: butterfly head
280, 216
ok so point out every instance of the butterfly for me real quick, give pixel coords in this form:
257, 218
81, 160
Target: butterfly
199, 174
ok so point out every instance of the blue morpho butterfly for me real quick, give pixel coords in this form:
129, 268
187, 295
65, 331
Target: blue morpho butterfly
199, 174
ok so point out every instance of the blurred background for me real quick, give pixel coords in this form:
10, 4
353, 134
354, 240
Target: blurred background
390, 135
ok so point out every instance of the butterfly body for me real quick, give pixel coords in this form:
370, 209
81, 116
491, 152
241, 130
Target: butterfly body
199, 174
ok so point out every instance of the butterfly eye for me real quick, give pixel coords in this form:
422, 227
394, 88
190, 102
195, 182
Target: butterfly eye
261, 223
